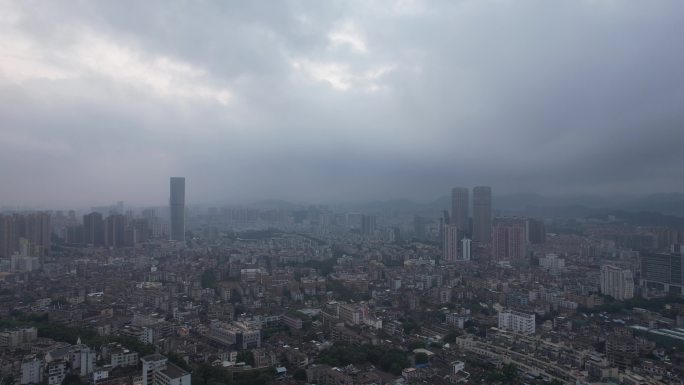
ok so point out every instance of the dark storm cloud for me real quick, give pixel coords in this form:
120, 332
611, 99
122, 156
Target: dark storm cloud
319, 101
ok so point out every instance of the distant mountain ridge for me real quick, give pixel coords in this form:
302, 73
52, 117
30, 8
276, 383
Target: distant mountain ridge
515, 204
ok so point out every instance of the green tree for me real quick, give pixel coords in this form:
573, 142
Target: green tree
209, 279
299, 375
246, 356
450, 338
510, 373
413, 345
72, 379
395, 369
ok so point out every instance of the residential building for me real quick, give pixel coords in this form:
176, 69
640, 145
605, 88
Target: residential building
368, 224
617, 283
482, 214
450, 243
31, 370
93, 229
459, 209
351, 314
177, 208
156, 370
552, 263
123, 357
465, 249
509, 239
517, 321
56, 371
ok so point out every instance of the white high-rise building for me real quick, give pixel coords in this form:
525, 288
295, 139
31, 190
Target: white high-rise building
617, 283
465, 249
31, 370
87, 358
517, 321
552, 263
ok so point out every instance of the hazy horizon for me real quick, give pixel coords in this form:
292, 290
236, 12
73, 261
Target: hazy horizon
547, 199
332, 101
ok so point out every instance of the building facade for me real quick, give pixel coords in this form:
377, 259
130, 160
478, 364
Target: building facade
662, 271
482, 214
177, 208
617, 283
450, 243
509, 239
459, 209
517, 321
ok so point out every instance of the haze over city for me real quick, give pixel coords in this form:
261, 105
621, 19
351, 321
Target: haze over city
337, 101
360, 192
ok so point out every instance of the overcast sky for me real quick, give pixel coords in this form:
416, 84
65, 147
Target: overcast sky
337, 101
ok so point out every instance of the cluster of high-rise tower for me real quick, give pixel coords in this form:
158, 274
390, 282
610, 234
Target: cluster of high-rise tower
507, 236
458, 227
118, 229
34, 228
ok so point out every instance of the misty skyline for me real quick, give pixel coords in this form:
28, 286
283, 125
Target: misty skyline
337, 101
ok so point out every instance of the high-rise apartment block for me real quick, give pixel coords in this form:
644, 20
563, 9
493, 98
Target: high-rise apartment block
115, 228
35, 228
8, 241
93, 229
368, 224
459, 209
617, 283
536, 231
482, 214
465, 249
450, 243
509, 239
177, 208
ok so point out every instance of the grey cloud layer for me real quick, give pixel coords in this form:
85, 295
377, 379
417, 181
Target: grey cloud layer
101, 101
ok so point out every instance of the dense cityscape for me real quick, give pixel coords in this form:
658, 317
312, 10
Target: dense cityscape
187, 295
341, 192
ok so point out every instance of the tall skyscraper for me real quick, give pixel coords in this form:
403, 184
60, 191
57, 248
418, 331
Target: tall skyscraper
465, 249
419, 227
509, 239
35, 228
450, 243
115, 227
8, 240
39, 233
368, 224
93, 229
459, 209
482, 214
536, 231
177, 208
